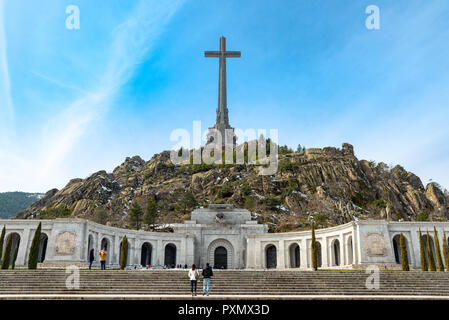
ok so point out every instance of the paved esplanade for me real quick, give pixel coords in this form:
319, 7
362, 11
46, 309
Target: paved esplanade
222, 121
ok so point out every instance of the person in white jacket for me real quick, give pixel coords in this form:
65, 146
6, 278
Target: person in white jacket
193, 275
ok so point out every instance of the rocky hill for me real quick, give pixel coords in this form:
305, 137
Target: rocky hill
330, 184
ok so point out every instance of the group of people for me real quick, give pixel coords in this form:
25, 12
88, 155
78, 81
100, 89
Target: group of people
103, 256
194, 276
193, 272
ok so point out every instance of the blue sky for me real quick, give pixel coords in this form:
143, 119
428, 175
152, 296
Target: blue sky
73, 102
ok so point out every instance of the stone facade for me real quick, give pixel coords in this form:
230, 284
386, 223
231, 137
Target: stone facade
225, 237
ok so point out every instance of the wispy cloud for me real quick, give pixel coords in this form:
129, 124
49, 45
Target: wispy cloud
6, 104
132, 41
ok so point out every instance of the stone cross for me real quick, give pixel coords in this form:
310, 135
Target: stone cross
222, 110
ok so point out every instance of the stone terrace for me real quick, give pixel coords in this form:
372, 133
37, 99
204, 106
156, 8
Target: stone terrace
174, 284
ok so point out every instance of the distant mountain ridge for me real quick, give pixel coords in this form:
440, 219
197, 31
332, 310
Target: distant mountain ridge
329, 185
13, 202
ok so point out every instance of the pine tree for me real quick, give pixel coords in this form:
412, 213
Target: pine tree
124, 253
34, 250
2, 240
314, 251
16, 251
150, 214
438, 251
7, 254
135, 216
422, 253
445, 251
404, 255
187, 202
430, 257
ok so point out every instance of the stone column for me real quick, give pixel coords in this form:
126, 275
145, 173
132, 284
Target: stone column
23, 246
159, 253
324, 252
343, 259
281, 255
303, 254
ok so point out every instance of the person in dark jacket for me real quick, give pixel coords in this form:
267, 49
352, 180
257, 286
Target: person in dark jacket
91, 257
207, 274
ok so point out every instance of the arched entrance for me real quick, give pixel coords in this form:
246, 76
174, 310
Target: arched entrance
221, 258
222, 250
90, 245
336, 252
170, 255
14, 245
145, 256
295, 261
42, 247
271, 256
105, 244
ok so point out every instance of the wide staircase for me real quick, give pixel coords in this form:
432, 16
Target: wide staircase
226, 283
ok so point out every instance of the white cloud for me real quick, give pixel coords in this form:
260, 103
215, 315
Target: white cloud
6, 104
131, 43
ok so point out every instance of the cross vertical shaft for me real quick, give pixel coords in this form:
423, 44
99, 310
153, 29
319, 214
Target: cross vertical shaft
222, 121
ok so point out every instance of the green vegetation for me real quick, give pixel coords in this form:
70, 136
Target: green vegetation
7, 254
124, 253
135, 216
225, 191
422, 216
422, 253
314, 249
432, 266
150, 214
245, 189
53, 213
445, 251
13, 202
438, 251
286, 165
404, 255
380, 204
320, 219
187, 202
14, 258
34, 250
2, 240
250, 204
284, 150
271, 202
100, 215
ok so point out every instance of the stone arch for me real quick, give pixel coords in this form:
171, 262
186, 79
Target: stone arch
43, 247
295, 256
170, 255
15, 244
397, 248
225, 244
106, 244
90, 245
270, 256
146, 254
335, 247
350, 250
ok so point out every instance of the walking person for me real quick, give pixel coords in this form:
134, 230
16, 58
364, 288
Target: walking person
103, 254
193, 275
91, 258
207, 274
